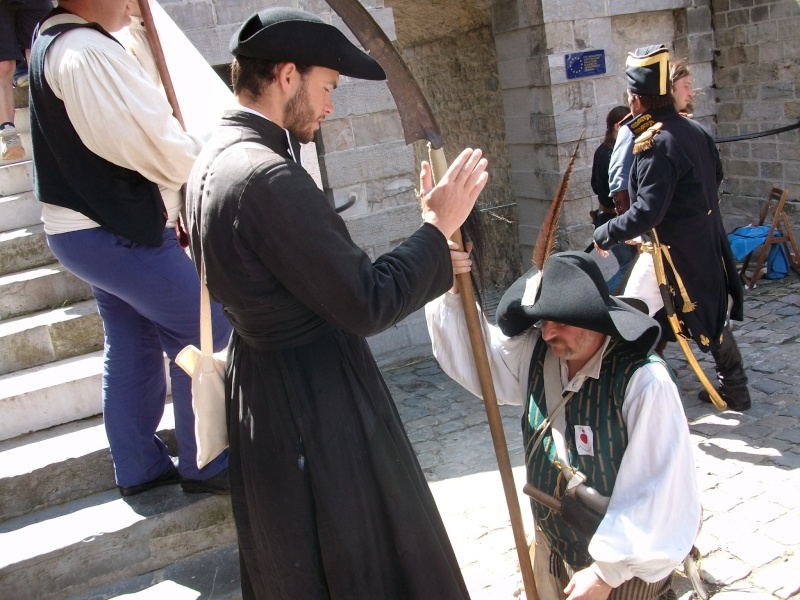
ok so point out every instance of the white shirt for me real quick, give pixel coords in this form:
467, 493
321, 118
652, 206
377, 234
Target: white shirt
119, 114
654, 513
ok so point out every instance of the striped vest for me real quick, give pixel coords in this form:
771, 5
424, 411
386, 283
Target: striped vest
598, 405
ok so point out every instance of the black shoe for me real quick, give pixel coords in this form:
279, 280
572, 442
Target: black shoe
168, 477
216, 484
737, 404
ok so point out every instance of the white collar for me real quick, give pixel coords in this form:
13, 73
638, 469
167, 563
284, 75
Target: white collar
590, 369
288, 139
60, 19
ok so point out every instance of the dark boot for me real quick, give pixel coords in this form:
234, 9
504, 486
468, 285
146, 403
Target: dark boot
730, 374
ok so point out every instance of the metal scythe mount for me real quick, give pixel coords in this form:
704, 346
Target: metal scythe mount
419, 124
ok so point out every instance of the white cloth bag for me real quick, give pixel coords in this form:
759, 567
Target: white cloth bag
207, 370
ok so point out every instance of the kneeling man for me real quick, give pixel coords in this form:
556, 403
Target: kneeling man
603, 426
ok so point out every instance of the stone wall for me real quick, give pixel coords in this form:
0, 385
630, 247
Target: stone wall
459, 78
546, 113
757, 71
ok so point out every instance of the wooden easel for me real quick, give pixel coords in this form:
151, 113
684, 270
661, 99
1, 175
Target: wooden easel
777, 196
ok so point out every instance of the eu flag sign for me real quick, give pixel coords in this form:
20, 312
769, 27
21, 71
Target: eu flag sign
585, 64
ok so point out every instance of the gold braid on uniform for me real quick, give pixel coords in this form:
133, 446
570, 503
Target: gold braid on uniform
688, 305
645, 141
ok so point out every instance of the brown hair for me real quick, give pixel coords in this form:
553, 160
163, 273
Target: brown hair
678, 69
614, 116
249, 75
657, 102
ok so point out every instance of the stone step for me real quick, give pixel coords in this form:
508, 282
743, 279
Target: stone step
53, 394
24, 248
50, 395
19, 210
95, 541
39, 289
25, 139
212, 575
21, 99
22, 120
60, 464
16, 178
49, 336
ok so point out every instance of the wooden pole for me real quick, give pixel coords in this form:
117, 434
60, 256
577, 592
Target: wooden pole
439, 166
161, 62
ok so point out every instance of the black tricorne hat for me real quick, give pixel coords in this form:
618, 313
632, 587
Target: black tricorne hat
647, 71
573, 292
292, 35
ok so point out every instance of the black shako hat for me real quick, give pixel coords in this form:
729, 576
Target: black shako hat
573, 292
292, 35
647, 71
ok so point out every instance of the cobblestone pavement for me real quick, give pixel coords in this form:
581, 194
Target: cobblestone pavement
747, 463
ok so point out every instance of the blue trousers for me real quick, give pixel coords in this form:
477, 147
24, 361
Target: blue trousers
149, 300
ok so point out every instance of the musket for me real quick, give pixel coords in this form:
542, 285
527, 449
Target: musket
574, 511
420, 124
542, 498
658, 252
590, 521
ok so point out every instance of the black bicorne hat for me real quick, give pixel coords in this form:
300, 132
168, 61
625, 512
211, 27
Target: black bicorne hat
573, 292
292, 35
647, 71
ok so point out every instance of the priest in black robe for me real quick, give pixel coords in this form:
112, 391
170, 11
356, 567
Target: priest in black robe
328, 497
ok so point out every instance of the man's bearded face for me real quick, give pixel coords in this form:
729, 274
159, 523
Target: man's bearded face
299, 116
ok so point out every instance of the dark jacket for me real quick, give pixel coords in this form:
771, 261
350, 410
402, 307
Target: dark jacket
674, 190
602, 159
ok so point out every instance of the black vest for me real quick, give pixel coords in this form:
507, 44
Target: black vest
66, 173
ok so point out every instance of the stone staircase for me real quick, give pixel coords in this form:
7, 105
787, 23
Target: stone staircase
65, 531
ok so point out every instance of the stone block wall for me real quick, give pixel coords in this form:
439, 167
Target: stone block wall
546, 113
757, 72
459, 78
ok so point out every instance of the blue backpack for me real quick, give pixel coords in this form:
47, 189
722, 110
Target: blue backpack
746, 239
777, 262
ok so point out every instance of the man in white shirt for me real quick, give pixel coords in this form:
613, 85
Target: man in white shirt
109, 161
603, 423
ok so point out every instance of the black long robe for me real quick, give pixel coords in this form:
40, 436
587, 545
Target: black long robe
328, 497
674, 189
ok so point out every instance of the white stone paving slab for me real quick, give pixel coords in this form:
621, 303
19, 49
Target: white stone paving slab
19, 210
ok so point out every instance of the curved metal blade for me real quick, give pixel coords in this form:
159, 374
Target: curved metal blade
415, 112
655, 249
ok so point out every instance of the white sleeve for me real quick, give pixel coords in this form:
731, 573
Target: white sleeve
509, 358
117, 110
654, 514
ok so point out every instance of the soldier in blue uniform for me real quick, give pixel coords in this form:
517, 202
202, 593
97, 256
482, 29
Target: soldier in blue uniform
674, 189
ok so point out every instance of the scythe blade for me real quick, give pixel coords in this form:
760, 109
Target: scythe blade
415, 112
